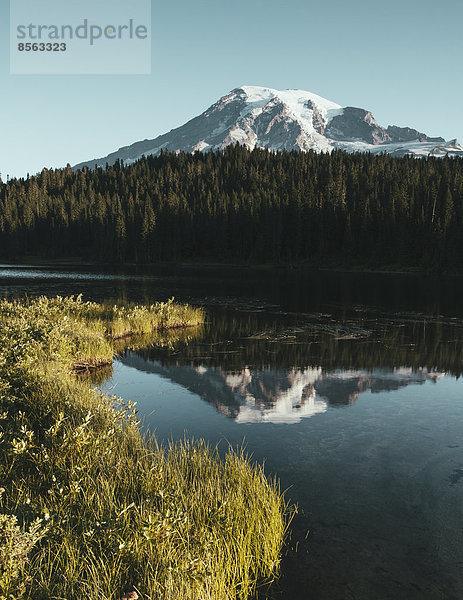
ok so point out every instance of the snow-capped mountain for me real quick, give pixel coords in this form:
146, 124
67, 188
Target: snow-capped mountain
285, 120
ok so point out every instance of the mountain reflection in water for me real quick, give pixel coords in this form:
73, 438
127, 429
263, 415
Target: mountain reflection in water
281, 368
278, 395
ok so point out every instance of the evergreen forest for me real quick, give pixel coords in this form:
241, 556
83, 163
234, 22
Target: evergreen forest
242, 206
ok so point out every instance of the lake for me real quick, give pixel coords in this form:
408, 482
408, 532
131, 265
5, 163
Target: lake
347, 385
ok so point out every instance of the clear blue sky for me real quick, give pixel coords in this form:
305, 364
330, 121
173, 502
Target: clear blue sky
401, 59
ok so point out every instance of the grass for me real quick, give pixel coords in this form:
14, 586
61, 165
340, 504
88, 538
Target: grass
91, 508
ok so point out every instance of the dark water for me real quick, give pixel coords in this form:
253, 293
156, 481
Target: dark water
347, 384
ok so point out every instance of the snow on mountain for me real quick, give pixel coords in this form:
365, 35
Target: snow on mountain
285, 120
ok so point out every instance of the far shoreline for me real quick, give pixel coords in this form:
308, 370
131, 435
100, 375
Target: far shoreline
76, 262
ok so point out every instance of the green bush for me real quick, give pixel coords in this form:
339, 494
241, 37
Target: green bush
15, 546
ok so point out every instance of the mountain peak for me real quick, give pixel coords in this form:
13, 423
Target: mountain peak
289, 119
290, 96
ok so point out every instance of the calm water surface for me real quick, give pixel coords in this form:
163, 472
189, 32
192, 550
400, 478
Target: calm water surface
347, 384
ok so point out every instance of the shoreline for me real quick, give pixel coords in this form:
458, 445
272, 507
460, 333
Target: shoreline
36, 263
92, 504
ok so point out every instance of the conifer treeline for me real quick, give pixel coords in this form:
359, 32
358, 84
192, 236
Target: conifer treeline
238, 205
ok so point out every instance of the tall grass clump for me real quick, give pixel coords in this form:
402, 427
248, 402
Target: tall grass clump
119, 321
92, 508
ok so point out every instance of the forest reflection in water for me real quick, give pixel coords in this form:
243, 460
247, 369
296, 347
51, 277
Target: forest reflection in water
282, 367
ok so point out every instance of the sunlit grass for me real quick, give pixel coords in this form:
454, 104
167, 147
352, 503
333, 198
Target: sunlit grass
118, 512
118, 321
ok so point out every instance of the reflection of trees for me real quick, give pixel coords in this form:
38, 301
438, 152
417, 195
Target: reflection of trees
233, 341
283, 367
256, 367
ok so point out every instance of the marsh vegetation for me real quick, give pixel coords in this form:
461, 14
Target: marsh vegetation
89, 507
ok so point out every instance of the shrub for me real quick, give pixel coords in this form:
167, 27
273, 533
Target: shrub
15, 546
